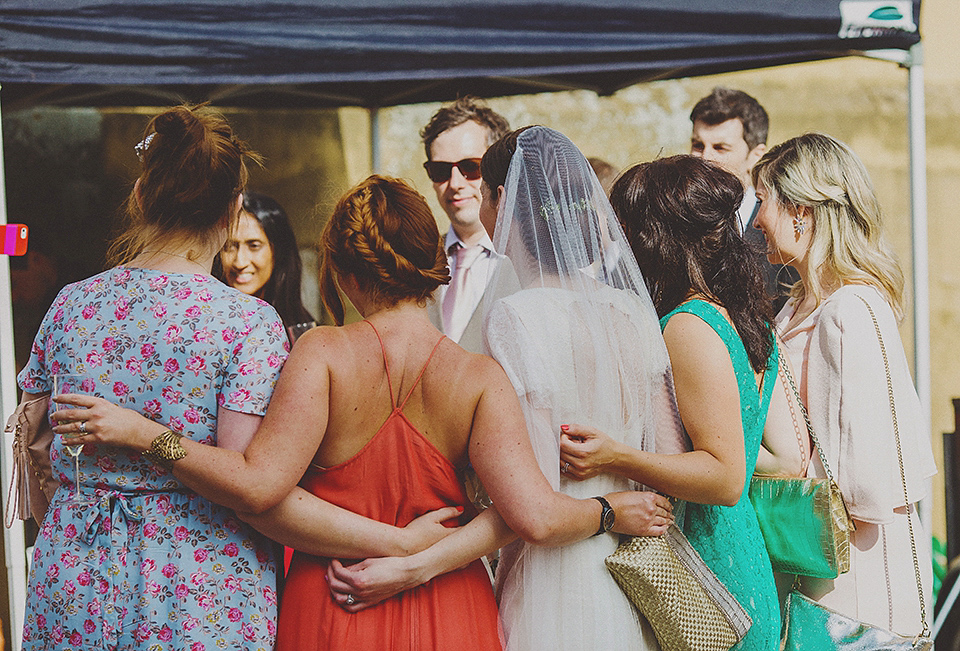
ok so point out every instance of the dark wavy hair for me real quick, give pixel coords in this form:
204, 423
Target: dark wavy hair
464, 109
680, 217
282, 289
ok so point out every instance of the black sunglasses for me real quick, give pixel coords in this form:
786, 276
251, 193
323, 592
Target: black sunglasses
440, 171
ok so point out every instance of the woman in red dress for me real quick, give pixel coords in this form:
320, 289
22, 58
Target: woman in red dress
380, 418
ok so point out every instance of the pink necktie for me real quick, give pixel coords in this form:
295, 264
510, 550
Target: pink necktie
456, 310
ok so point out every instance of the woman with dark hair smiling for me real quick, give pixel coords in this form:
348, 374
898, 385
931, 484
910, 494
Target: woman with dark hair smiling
261, 258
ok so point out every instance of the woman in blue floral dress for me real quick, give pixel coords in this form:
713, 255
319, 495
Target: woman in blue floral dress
143, 562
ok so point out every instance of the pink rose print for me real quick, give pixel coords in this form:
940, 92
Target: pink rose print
89, 626
198, 578
68, 560
274, 360
152, 408
181, 590
190, 623
153, 589
142, 633
231, 583
70, 531
196, 364
121, 309
147, 566
109, 343
159, 282
239, 397
106, 464
133, 365
183, 294
173, 334
41, 621
270, 595
231, 549
197, 646
271, 627
103, 587
234, 615
150, 530
53, 572
170, 395
229, 335
57, 633
193, 312
147, 350
249, 632
123, 277
204, 295
120, 389
202, 336
176, 424
70, 588
88, 385
159, 310
88, 311
94, 358
200, 555
171, 365
58, 317
169, 570
192, 415
70, 325
76, 639
206, 602
181, 533
165, 634
84, 577
249, 367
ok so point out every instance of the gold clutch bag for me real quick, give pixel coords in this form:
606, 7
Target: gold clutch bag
687, 606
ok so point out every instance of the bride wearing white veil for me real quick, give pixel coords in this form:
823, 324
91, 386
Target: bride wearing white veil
580, 341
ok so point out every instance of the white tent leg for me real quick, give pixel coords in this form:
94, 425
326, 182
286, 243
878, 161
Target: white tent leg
375, 140
13, 539
916, 116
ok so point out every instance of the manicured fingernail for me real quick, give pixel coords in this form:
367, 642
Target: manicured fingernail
565, 427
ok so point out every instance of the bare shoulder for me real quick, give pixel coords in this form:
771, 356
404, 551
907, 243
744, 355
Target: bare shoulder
693, 344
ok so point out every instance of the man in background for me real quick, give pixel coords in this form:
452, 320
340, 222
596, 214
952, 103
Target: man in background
455, 139
730, 129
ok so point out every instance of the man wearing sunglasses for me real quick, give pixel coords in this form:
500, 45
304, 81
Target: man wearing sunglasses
455, 140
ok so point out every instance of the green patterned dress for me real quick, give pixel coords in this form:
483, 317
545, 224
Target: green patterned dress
728, 537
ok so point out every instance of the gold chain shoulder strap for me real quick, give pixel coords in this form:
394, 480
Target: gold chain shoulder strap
803, 410
903, 476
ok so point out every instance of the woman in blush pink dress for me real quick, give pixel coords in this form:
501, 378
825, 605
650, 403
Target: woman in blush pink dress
820, 215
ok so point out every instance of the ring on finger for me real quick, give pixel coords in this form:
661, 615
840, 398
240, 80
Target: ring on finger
566, 467
82, 427
350, 600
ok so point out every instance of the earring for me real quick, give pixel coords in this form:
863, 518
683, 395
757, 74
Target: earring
799, 225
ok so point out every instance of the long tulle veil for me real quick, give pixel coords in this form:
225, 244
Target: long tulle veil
569, 318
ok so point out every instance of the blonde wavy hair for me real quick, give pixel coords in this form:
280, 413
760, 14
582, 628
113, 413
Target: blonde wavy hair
822, 174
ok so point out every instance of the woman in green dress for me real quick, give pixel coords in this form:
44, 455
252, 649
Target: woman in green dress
679, 215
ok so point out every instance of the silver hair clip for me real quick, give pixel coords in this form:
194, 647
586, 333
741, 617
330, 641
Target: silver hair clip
141, 147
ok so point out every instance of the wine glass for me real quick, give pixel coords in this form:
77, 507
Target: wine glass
298, 329
73, 383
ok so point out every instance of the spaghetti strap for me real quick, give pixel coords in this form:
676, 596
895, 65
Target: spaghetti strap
422, 371
386, 367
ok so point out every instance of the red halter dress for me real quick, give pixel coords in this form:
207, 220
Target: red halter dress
396, 477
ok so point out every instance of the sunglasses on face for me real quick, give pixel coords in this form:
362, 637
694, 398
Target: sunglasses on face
440, 171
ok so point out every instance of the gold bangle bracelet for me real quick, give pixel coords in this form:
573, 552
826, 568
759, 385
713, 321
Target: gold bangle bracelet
165, 449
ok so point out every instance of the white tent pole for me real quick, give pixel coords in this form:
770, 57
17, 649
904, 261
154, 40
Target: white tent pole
375, 140
13, 539
916, 115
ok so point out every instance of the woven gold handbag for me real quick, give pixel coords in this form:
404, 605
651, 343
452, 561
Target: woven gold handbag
687, 606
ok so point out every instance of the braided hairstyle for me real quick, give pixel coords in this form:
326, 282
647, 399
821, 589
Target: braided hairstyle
680, 216
194, 167
383, 234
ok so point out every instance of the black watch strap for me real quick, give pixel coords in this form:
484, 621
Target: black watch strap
606, 516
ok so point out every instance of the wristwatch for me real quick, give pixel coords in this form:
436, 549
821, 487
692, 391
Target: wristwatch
607, 516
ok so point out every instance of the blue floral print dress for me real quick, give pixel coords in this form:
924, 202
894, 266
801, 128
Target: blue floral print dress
146, 563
